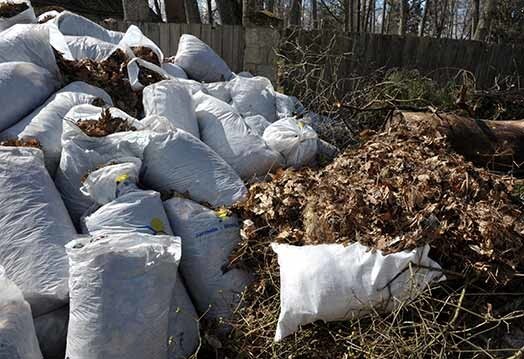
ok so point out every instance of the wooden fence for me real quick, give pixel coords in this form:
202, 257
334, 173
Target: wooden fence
251, 49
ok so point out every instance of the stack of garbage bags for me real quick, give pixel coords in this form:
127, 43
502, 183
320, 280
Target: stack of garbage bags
115, 245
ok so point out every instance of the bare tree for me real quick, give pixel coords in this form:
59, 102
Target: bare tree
384, 12
295, 13
175, 11
484, 24
209, 12
403, 17
314, 10
423, 20
475, 15
192, 12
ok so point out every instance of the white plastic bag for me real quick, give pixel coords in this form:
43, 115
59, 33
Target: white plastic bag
200, 62
75, 25
226, 132
178, 161
17, 332
129, 209
34, 227
24, 86
135, 38
28, 43
209, 237
82, 154
285, 105
294, 139
173, 101
87, 47
254, 96
174, 70
120, 289
257, 124
25, 17
45, 123
332, 282
219, 90
46, 16
51, 331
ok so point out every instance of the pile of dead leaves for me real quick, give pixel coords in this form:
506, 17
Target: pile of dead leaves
9, 9
25, 142
401, 189
105, 125
147, 54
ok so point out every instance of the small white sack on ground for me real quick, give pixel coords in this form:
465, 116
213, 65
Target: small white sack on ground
133, 71
254, 96
184, 327
87, 47
82, 154
219, 90
174, 70
226, 132
257, 124
178, 161
173, 101
17, 332
294, 140
28, 43
75, 25
25, 17
120, 290
200, 62
208, 239
24, 87
333, 282
34, 227
45, 123
51, 331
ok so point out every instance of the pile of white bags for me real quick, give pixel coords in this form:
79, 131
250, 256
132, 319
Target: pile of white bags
24, 86
17, 332
25, 17
45, 122
200, 62
177, 161
332, 282
254, 96
173, 101
34, 228
120, 290
226, 132
75, 25
208, 239
82, 154
296, 141
127, 209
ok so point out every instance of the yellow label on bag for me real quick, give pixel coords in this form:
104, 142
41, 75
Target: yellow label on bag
300, 124
222, 213
122, 178
157, 225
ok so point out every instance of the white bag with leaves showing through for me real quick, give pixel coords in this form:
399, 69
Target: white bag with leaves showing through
200, 62
254, 96
226, 132
333, 282
71, 24
209, 237
17, 332
25, 17
294, 140
173, 101
120, 288
34, 228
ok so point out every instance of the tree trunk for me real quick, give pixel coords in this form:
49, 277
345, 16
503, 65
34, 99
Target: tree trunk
176, 11
192, 12
422, 25
384, 9
315, 13
358, 15
499, 145
403, 17
295, 13
229, 12
209, 12
475, 14
350, 14
484, 24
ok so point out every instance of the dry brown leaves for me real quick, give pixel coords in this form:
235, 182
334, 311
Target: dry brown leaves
8, 9
25, 142
401, 189
104, 126
147, 54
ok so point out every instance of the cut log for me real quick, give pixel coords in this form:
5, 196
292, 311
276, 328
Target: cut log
498, 145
